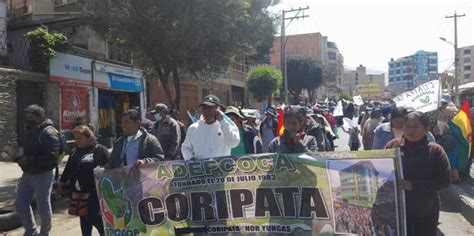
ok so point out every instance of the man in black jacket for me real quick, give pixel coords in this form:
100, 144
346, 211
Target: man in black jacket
167, 130
136, 147
41, 151
314, 129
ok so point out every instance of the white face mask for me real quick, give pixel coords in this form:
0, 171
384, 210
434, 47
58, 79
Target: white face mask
157, 117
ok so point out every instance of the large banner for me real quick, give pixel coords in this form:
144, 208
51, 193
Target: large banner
424, 98
299, 194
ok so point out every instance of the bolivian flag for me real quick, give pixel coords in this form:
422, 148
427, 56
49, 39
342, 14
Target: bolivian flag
461, 128
280, 126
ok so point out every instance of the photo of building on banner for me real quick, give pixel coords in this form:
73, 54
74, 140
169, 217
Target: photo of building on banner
299, 194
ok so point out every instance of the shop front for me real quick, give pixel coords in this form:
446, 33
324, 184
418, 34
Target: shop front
96, 92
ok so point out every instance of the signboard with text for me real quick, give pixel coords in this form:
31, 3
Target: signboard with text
71, 69
74, 106
303, 194
424, 98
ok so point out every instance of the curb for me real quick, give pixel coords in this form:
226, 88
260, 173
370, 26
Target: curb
461, 200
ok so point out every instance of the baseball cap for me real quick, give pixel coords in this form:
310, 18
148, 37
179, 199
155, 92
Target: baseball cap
159, 108
210, 100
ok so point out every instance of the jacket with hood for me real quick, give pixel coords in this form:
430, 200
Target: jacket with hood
41, 148
149, 150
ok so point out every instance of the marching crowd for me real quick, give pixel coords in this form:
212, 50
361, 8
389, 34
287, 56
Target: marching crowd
225, 131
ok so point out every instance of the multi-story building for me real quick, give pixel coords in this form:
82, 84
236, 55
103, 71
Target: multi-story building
358, 82
359, 182
406, 73
466, 64
317, 47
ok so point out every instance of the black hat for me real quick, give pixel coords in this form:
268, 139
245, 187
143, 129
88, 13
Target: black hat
210, 100
159, 108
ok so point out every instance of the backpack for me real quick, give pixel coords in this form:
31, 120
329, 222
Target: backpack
62, 147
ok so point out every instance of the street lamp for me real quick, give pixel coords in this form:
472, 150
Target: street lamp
456, 79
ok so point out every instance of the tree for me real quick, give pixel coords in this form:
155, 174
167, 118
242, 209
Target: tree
186, 37
43, 47
303, 74
263, 82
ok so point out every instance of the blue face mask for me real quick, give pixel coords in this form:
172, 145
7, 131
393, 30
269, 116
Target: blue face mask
157, 117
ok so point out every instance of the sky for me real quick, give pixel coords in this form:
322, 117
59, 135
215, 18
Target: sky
370, 32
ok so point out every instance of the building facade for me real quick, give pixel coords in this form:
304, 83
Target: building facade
359, 182
358, 82
317, 47
406, 73
466, 64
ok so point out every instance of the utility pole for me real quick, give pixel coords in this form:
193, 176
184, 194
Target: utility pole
283, 43
456, 61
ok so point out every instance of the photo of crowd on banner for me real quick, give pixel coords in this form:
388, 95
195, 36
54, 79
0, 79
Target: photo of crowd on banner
357, 187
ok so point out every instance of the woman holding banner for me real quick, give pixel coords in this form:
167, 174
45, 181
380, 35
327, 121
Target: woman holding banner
426, 170
294, 139
79, 172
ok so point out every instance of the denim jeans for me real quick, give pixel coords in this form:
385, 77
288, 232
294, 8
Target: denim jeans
39, 186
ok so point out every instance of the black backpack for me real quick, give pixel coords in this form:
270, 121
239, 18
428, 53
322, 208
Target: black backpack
62, 147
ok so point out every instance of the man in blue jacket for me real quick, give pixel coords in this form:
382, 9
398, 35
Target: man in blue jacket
41, 150
249, 141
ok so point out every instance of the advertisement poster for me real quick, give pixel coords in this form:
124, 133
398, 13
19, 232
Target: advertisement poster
338, 193
74, 106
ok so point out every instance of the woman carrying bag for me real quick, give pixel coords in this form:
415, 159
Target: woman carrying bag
79, 172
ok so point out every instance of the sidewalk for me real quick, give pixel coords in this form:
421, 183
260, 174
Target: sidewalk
462, 196
63, 223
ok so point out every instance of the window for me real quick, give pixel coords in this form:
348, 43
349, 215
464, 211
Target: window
398, 79
390, 80
331, 55
467, 60
117, 53
467, 67
467, 51
467, 76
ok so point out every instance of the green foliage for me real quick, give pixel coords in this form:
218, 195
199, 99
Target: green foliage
43, 47
303, 74
264, 81
195, 37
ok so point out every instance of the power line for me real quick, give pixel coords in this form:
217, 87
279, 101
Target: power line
283, 42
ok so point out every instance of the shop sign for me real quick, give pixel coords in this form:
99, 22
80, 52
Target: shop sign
125, 82
74, 106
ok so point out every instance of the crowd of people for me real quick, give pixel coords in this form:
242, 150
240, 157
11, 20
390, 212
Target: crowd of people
225, 131
354, 220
